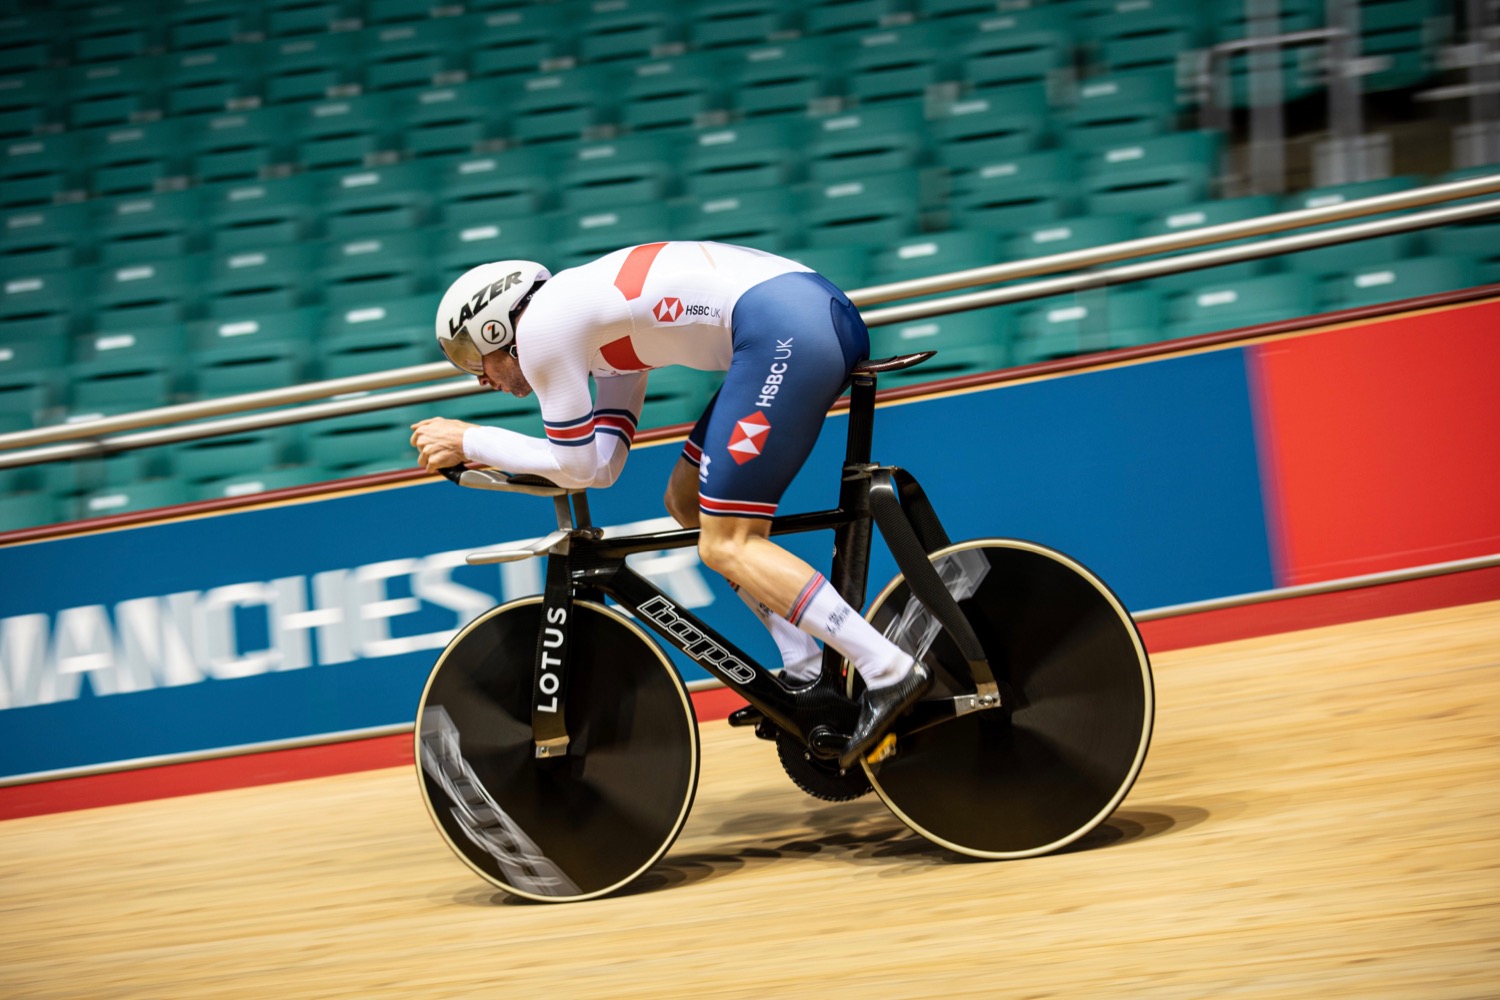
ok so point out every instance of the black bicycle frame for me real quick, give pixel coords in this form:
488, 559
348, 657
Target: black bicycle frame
884, 495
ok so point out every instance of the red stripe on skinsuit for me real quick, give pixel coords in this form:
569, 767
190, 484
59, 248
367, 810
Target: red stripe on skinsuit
620, 355
632, 276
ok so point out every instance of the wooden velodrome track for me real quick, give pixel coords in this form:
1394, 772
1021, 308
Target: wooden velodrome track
1319, 817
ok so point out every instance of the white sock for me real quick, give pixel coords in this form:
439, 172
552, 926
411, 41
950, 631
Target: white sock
800, 655
821, 612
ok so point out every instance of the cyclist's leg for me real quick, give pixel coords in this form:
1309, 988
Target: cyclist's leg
682, 486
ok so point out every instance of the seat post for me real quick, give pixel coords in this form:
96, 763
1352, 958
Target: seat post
861, 419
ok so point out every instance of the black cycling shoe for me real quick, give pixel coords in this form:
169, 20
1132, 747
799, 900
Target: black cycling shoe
879, 707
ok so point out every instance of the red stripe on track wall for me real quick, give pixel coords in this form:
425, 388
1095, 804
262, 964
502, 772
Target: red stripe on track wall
1162, 635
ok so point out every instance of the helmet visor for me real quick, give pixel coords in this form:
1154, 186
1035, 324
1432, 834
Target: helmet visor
462, 353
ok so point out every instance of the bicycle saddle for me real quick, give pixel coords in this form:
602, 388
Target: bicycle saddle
875, 366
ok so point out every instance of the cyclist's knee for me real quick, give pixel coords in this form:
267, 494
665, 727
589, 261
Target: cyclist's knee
681, 498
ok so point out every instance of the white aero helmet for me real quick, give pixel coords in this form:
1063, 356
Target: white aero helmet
475, 316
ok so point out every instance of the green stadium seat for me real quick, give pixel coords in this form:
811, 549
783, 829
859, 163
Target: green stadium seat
1151, 175
342, 134
827, 17
608, 30
31, 102
378, 200
726, 23
237, 146
937, 253
1478, 239
134, 159
114, 93
877, 209
45, 238
47, 298
161, 291
974, 335
1111, 110
461, 247
606, 183
238, 455
29, 396
287, 18
585, 235
210, 81
482, 189
137, 229
261, 214
131, 498
1019, 49
376, 269
866, 141
766, 219
250, 363
1021, 191
455, 120
1098, 320
32, 349
788, 77
971, 133
1066, 235
413, 54
1404, 36
517, 41
149, 346
309, 68
236, 330
1208, 213
211, 25
369, 356
741, 158
28, 510
1249, 302
38, 170
899, 63
679, 92
112, 32
1326, 261
1402, 279
254, 282
255, 481
847, 266
346, 446
126, 379
562, 105
391, 321
1130, 35
32, 39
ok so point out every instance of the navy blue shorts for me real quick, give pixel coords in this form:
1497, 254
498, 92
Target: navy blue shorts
796, 338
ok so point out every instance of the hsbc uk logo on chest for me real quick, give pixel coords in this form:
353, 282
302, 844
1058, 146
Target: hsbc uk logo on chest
669, 309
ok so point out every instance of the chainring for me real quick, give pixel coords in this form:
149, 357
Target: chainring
819, 778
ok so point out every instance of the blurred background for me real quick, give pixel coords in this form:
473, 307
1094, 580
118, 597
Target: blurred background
204, 198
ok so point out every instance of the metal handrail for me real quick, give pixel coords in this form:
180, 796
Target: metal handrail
87, 438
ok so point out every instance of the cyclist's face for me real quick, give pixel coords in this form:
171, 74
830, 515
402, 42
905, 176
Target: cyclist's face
501, 371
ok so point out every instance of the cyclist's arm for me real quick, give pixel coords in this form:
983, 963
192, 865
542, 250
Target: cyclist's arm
582, 447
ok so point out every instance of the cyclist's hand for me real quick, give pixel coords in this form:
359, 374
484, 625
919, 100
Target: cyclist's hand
439, 442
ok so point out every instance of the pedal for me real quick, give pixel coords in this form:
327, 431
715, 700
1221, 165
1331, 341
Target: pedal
884, 750
751, 716
742, 718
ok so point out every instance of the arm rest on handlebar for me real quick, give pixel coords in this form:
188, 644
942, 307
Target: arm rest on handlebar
494, 479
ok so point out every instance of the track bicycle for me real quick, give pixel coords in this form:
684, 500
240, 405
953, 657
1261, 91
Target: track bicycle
557, 747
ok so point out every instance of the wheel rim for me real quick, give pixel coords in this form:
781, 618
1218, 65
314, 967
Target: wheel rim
1040, 774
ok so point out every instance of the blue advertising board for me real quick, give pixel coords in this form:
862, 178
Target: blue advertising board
322, 617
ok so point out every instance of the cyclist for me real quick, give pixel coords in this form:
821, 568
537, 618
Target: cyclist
786, 339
